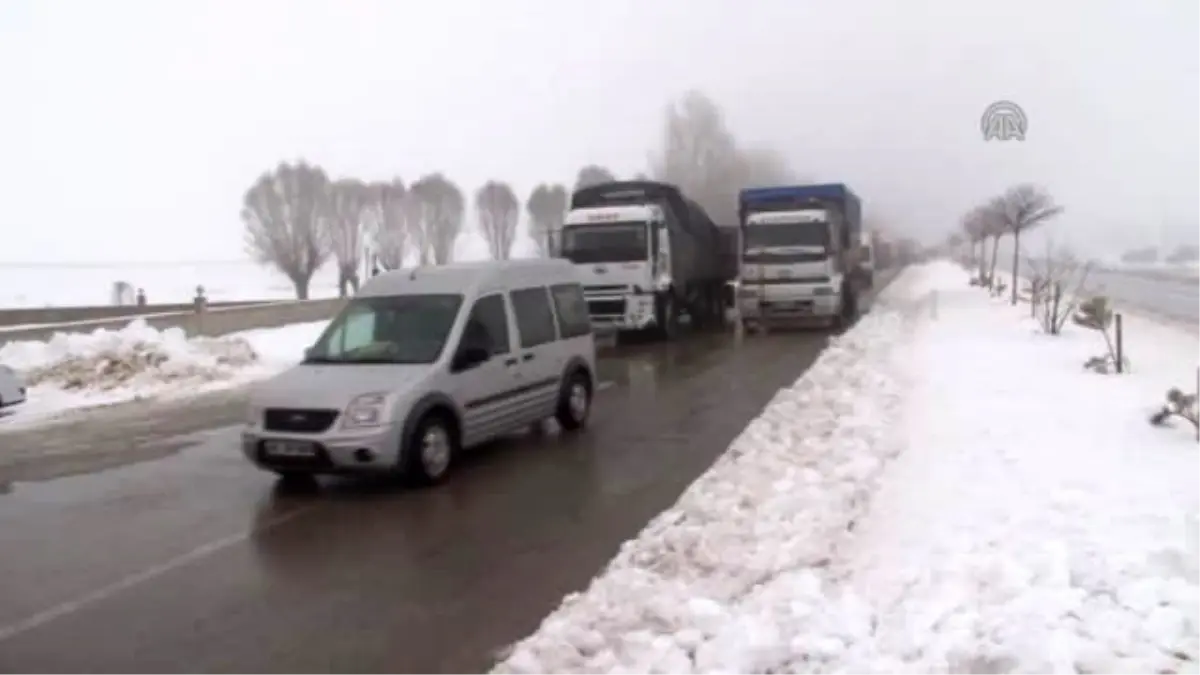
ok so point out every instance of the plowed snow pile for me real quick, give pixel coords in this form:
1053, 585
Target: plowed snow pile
80, 370
135, 356
730, 578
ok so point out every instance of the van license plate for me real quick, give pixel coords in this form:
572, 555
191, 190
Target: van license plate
289, 449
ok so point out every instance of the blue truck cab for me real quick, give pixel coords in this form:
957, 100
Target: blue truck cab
801, 254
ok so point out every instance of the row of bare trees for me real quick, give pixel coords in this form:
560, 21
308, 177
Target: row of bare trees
1012, 213
297, 218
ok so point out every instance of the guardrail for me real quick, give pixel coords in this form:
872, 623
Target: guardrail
199, 319
32, 317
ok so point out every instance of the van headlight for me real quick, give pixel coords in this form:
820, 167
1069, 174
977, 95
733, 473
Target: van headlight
366, 410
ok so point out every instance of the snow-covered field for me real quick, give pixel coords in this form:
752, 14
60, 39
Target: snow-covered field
80, 370
946, 490
91, 285
26, 285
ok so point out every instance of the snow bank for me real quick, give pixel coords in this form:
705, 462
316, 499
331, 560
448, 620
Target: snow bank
130, 357
1036, 522
944, 491
687, 594
74, 370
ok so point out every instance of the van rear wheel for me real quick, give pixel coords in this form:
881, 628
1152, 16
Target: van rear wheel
574, 402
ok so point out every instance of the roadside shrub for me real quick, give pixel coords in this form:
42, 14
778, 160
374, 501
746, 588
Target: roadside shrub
1178, 404
1059, 282
1096, 314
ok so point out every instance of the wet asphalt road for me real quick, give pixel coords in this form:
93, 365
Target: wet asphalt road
181, 557
1170, 298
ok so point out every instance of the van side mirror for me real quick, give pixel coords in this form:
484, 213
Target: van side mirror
469, 357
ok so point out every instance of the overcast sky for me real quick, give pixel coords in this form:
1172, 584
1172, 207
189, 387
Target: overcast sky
129, 131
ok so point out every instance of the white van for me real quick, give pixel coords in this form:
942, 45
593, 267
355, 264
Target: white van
423, 363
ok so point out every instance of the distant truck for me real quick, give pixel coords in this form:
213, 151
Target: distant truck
867, 260
646, 255
802, 255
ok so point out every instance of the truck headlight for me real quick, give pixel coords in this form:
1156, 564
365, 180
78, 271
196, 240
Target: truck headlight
366, 410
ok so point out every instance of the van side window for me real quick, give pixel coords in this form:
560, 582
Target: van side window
535, 318
572, 310
490, 313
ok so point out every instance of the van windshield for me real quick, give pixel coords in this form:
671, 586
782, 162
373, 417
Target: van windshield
388, 329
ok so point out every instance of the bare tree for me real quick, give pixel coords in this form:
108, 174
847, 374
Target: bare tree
974, 225
701, 156
547, 206
441, 216
283, 213
349, 200
499, 211
390, 225
994, 226
1023, 207
593, 174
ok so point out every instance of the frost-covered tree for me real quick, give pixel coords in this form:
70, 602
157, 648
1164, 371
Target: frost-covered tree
1021, 208
283, 213
345, 230
547, 207
593, 174
700, 155
441, 213
499, 211
390, 228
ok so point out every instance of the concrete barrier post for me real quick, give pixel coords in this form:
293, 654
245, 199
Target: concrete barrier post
200, 305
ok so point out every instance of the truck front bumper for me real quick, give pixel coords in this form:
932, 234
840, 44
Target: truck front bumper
622, 313
793, 302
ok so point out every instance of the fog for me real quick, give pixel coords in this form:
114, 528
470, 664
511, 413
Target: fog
131, 130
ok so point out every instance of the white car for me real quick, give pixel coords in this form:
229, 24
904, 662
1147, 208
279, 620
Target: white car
12, 389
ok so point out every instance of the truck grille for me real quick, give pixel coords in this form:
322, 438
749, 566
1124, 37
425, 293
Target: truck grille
297, 420
615, 307
773, 281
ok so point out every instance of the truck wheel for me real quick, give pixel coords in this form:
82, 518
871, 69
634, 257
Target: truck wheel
667, 316
848, 312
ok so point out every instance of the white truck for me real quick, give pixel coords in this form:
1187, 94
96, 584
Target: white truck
646, 256
802, 255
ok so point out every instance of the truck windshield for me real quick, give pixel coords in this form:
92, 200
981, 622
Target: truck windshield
786, 236
388, 329
610, 242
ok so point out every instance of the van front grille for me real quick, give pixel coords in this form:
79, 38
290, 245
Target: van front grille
298, 420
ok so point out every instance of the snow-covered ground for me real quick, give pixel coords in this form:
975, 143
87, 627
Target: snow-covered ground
41, 285
80, 370
945, 490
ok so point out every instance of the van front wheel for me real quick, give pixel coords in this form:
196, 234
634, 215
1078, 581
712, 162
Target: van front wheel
431, 450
